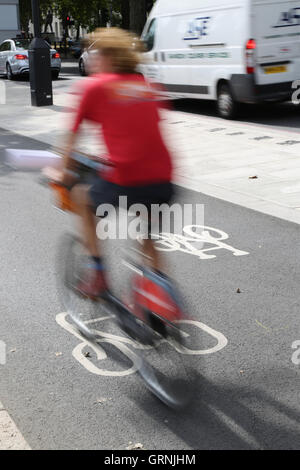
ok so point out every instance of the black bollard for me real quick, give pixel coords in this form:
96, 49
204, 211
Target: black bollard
39, 64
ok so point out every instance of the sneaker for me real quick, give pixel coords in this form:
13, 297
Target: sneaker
93, 283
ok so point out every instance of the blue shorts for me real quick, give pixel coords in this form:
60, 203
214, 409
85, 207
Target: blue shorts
105, 192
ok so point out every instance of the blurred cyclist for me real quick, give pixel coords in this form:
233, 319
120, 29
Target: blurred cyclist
120, 100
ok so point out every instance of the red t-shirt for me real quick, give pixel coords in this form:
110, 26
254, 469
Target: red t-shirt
128, 111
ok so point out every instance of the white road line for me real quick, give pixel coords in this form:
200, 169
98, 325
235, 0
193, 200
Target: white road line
10, 436
235, 427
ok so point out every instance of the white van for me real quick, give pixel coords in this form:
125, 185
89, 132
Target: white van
226, 50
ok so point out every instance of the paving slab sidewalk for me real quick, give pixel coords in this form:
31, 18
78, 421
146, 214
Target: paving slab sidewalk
246, 164
10, 436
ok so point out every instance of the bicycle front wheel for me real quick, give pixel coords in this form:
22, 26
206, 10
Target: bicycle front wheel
72, 261
165, 370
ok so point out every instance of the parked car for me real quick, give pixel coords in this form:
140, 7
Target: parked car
14, 58
86, 65
83, 66
231, 52
75, 48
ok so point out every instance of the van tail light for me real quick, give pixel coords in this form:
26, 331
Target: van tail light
21, 57
56, 55
250, 56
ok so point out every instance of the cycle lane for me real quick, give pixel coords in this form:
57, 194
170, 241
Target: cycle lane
247, 393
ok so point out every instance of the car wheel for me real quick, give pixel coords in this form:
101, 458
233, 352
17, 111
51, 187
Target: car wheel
82, 68
227, 106
9, 73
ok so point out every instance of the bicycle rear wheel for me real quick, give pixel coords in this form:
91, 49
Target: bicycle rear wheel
72, 261
165, 370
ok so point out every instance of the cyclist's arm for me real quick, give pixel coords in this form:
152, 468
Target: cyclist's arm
80, 115
70, 146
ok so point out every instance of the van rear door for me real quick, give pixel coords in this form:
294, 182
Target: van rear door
151, 67
276, 31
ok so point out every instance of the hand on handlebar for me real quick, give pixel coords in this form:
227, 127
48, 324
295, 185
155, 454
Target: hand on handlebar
53, 174
62, 177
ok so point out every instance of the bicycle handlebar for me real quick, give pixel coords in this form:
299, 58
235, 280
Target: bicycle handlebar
82, 164
88, 163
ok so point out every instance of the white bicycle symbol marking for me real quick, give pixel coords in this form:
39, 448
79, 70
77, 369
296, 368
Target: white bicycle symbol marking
123, 343
193, 241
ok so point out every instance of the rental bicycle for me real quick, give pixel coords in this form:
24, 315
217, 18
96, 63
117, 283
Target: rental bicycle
152, 323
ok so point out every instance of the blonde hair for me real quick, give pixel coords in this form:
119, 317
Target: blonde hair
122, 47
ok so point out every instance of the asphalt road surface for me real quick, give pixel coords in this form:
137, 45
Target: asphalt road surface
247, 392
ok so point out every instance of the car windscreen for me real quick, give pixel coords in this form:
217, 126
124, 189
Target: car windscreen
22, 44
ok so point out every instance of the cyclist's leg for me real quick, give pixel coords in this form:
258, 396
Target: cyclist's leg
84, 204
93, 283
155, 290
152, 255
157, 195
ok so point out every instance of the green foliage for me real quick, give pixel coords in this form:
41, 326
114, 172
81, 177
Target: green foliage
86, 13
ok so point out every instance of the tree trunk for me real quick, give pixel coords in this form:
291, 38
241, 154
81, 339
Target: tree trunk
25, 25
25, 14
149, 5
125, 11
104, 17
98, 16
78, 32
137, 15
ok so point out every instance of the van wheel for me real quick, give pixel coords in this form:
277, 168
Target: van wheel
227, 107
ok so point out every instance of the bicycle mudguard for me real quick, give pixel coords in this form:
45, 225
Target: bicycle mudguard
153, 293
